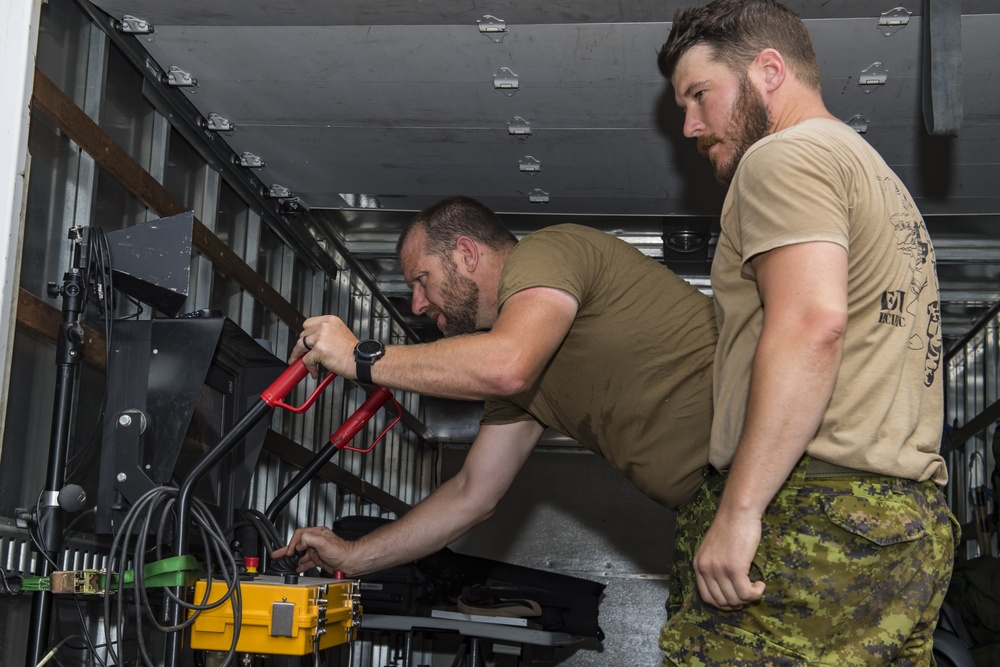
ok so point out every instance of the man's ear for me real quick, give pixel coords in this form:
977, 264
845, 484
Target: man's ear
467, 253
770, 69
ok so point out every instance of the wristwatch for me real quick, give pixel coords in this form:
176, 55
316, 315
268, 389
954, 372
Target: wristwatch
366, 353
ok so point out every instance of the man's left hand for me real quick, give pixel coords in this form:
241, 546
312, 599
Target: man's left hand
722, 563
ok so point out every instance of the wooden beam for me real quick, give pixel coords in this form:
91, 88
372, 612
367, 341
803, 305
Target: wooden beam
55, 105
43, 321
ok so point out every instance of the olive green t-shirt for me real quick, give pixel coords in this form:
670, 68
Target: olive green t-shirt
820, 181
632, 381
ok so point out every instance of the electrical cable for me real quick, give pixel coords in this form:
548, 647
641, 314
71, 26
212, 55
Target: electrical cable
35, 527
265, 528
51, 654
5, 580
88, 644
156, 506
98, 281
271, 540
86, 637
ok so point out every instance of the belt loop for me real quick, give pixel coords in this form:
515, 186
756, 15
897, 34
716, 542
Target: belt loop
797, 478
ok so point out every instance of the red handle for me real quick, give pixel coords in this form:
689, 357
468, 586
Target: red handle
287, 381
361, 416
273, 396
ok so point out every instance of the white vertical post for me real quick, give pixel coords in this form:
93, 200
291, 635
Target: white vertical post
19, 26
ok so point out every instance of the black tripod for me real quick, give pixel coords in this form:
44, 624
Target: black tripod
69, 344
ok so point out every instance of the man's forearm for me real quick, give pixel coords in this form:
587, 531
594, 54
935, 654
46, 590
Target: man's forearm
430, 526
474, 367
793, 377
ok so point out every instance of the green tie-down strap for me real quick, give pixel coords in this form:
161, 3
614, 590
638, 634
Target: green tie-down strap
173, 571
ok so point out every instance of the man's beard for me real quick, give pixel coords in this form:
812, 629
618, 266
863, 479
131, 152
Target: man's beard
750, 121
460, 305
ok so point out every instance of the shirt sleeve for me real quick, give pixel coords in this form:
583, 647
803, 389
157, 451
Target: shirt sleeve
561, 258
499, 411
790, 191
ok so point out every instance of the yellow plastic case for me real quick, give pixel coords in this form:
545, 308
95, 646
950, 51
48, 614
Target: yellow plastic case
279, 618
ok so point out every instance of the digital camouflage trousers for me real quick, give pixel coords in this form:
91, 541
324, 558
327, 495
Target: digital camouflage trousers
855, 567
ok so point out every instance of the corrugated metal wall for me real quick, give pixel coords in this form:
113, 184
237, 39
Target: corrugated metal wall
971, 436
68, 187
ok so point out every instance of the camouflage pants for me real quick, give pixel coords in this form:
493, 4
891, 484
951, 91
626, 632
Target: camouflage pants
693, 520
856, 568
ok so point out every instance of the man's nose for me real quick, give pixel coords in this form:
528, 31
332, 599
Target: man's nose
419, 302
693, 127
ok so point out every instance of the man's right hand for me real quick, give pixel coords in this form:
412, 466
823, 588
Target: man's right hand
328, 342
318, 546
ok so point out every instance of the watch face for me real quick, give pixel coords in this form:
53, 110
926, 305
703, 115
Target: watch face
370, 348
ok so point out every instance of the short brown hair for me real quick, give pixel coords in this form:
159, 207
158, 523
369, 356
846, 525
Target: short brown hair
450, 218
737, 31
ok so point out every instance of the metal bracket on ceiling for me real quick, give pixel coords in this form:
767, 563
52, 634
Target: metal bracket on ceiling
288, 202
292, 206
519, 128
506, 81
858, 123
873, 76
893, 20
529, 165
252, 161
538, 196
492, 27
131, 25
178, 78
278, 192
217, 123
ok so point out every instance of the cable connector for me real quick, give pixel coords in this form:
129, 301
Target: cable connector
86, 582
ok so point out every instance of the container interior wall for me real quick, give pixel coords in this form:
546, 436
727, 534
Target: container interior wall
69, 188
972, 439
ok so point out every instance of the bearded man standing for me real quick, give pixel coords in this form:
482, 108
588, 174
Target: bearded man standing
832, 543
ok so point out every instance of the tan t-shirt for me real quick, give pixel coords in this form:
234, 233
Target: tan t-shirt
820, 181
632, 381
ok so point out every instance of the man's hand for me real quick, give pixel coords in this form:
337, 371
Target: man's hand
326, 341
318, 547
803, 288
722, 563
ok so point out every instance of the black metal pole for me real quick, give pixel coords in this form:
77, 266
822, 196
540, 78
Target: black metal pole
49, 518
341, 437
173, 612
303, 477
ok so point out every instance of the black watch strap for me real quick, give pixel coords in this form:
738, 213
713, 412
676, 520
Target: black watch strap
366, 353
363, 369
